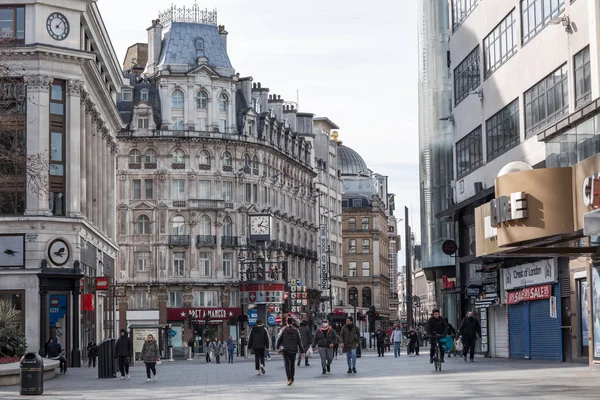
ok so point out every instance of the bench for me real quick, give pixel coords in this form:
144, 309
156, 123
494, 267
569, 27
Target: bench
10, 374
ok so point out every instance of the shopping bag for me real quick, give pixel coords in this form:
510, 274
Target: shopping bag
309, 353
447, 343
459, 345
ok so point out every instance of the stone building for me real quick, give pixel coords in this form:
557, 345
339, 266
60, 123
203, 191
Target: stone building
203, 148
60, 78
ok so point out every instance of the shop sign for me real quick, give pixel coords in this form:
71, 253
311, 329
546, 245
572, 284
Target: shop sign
536, 273
473, 292
448, 283
102, 283
200, 314
591, 191
505, 209
529, 294
323, 238
252, 317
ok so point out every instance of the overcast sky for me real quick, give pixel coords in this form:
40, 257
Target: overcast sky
352, 61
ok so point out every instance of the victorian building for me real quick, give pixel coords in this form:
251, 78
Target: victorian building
202, 149
58, 120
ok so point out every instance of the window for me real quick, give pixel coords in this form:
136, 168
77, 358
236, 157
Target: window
135, 159
178, 158
234, 299
204, 264
178, 226
204, 190
142, 225
17, 300
502, 130
227, 265
256, 164
365, 223
248, 192
137, 189
178, 264
175, 299
150, 159
12, 23
467, 76
352, 246
366, 246
142, 123
127, 95
142, 261
500, 44
547, 101
366, 297
227, 191
583, 79
177, 123
141, 299
536, 14
208, 298
353, 296
204, 158
469, 155
202, 100
149, 188
352, 224
177, 100
223, 125
205, 227
58, 139
227, 227
352, 268
178, 189
227, 160
366, 268
461, 10
144, 94
223, 100
57, 98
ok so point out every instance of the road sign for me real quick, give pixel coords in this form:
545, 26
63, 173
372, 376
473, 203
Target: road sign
252, 317
449, 247
172, 333
278, 320
271, 319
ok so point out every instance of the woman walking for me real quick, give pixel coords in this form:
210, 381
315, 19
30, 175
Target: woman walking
218, 350
207, 349
150, 357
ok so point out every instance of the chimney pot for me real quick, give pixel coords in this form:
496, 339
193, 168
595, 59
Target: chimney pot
278, 97
259, 85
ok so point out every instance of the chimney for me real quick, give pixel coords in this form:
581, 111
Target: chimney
276, 103
223, 34
262, 94
154, 46
246, 87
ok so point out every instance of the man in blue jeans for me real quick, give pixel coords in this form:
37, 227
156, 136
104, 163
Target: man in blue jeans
397, 339
349, 342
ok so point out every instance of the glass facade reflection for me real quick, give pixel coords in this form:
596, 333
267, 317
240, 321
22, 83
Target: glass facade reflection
575, 145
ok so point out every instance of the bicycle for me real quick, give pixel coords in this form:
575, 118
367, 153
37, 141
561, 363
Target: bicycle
437, 355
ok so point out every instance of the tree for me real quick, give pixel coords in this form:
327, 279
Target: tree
12, 340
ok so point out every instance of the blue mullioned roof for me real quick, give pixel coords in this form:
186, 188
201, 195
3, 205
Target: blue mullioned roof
180, 45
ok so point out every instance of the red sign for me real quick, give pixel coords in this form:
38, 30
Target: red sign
216, 314
448, 283
252, 296
529, 294
102, 283
278, 320
54, 301
87, 301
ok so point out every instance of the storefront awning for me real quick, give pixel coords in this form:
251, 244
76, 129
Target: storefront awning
449, 213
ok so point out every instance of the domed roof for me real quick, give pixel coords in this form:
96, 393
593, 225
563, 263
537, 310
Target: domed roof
350, 162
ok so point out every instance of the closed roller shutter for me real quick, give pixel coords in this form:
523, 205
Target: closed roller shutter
546, 336
518, 330
500, 332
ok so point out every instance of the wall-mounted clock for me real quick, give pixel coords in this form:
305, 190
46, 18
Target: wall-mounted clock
260, 227
58, 252
58, 26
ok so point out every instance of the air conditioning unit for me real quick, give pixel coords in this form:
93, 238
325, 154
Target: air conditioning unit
478, 187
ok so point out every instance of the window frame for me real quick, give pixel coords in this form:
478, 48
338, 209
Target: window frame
351, 248
496, 36
470, 5
223, 103
367, 269
127, 94
366, 247
202, 100
144, 94
178, 264
508, 115
204, 257
352, 266
471, 141
464, 81
227, 265
175, 299
144, 257
145, 225
15, 23
177, 101
539, 26
585, 97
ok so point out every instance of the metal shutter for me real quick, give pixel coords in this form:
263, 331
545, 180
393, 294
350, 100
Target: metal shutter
518, 329
500, 332
546, 336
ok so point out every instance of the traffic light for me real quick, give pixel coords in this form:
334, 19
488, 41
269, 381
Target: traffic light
376, 316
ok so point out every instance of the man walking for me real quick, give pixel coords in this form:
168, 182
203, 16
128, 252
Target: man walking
289, 343
349, 342
397, 339
380, 339
305, 337
468, 331
259, 342
92, 353
124, 349
325, 339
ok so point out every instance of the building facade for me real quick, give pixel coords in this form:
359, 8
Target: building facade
60, 78
394, 247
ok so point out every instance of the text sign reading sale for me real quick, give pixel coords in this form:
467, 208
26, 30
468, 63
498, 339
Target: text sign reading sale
529, 294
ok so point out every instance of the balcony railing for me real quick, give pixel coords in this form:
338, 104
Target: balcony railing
275, 244
179, 240
150, 165
178, 166
204, 204
206, 240
179, 204
229, 241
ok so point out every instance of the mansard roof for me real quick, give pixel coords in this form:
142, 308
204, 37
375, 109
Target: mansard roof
126, 107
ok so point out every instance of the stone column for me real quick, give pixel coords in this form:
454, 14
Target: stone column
83, 153
38, 140
104, 189
90, 132
112, 181
73, 146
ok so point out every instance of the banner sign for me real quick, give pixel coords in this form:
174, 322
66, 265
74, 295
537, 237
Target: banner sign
324, 277
215, 313
529, 274
529, 294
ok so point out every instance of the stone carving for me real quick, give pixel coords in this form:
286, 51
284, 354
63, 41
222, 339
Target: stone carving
38, 82
74, 87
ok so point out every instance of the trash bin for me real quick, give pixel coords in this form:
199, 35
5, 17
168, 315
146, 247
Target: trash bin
363, 342
107, 363
32, 374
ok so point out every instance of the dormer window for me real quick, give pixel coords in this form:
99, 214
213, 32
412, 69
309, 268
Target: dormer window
199, 44
144, 94
127, 95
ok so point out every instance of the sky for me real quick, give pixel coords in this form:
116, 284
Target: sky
352, 61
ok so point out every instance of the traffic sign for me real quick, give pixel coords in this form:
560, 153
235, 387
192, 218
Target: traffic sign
252, 317
449, 247
271, 319
278, 320
172, 333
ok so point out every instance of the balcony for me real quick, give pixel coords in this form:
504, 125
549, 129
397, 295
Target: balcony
150, 165
206, 240
135, 165
179, 204
179, 240
178, 166
229, 241
204, 204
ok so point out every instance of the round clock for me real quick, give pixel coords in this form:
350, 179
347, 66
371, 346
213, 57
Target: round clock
58, 252
260, 225
58, 26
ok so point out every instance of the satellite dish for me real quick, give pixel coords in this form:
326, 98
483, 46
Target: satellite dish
514, 166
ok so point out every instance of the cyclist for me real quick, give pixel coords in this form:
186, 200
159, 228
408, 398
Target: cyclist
437, 327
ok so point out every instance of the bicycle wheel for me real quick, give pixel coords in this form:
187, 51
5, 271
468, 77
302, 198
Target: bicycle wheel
438, 355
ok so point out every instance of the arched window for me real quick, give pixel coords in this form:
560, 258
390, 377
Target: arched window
227, 160
227, 227
353, 296
135, 156
202, 100
150, 159
144, 94
178, 159
142, 225
204, 158
366, 297
223, 100
255, 165
178, 226
205, 228
177, 99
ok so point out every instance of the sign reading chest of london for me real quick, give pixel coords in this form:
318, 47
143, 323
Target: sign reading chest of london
536, 273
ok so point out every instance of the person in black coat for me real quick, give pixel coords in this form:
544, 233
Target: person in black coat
380, 338
56, 352
124, 351
259, 343
413, 342
289, 342
92, 353
436, 328
468, 331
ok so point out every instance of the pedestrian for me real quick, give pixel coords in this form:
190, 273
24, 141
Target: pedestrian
336, 347
349, 342
92, 353
387, 342
380, 338
150, 357
124, 351
56, 352
218, 350
436, 329
397, 340
259, 342
207, 349
452, 332
325, 340
289, 342
413, 342
191, 347
468, 331
305, 337
230, 343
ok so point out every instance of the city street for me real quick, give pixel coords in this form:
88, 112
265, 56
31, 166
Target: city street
377, 378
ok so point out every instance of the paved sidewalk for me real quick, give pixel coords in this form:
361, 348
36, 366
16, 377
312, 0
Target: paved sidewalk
377, 378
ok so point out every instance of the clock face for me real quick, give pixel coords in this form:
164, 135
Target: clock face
260, 225
58, 252
58, 26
